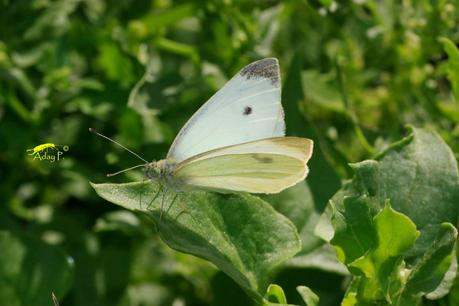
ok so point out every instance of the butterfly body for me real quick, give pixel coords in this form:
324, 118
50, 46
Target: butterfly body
158, 169
162, 171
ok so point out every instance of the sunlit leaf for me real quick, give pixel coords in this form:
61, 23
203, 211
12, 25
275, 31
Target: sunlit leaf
241, 234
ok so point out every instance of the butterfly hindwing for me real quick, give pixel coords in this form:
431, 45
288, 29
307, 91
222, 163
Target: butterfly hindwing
263, 166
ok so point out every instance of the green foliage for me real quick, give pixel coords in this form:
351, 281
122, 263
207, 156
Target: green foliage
392, 262
453, 65
354, 74
31, 269
276, 296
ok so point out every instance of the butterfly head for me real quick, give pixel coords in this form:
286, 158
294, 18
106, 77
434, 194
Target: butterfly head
151, 170
158, 169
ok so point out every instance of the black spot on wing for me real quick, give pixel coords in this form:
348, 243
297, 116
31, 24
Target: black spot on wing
267, 68
247, 110
262, 159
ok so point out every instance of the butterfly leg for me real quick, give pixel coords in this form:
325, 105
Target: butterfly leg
177, 190
162, 202
170, 205
160, 188
141, 192
183, 211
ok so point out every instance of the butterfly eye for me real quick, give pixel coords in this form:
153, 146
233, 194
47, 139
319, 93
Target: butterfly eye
150, 172
247, 110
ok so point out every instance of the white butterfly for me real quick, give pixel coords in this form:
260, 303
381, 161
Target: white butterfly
235, 141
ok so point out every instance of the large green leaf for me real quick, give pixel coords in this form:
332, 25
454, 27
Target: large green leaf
30, 271
241, 234
419, 176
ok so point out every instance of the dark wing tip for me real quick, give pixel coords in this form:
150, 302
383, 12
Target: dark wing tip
266, 68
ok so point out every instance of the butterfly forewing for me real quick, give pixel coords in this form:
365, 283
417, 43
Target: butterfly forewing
247, 108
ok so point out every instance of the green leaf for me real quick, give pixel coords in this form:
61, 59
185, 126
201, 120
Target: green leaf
429, 272
123, 221
309, 297
168, 16
115, 64
55, 19
323, 258
178, 48
381, 266
350, 299
419, 175
275, 294
453, 65
241, 234
31, 270
319, 91
354, 230
140, 98
326, 3
297, 204
447, 282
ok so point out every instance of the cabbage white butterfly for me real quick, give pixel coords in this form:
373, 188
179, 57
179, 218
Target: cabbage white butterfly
235, 141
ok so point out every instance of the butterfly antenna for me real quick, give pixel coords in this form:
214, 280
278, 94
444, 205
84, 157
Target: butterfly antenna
117, 143
116, 173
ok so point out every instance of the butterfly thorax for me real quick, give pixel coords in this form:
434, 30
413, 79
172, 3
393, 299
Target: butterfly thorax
161, 169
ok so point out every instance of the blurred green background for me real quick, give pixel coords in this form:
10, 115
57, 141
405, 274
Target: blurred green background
354, 74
